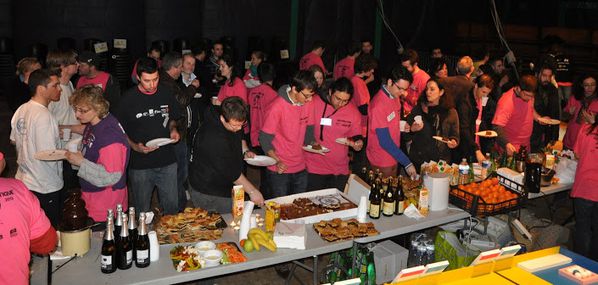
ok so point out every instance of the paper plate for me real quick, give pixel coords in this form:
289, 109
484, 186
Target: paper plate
261, 160
54, 154
343, 141
487, 134
322, 151
441, 139
159, 142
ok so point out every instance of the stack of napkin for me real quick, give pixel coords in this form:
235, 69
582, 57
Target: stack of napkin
288, 235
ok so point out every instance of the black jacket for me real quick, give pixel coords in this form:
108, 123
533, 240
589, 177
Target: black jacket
468, 113
183, 95
546, 103
217, 156
437, 122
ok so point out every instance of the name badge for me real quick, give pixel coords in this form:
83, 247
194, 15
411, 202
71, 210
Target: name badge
326, 121
391, 116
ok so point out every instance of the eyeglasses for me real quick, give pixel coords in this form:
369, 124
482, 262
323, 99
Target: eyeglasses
306, 96
81, 110
400, 88
589, 85
341, 101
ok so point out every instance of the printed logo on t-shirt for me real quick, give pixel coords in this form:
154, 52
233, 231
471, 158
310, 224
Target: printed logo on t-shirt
21, 126
343, 123
391, 116
13, 232
164, 112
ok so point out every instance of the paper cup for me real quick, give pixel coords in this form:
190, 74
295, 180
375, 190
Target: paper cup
418, 119
72, 147
403, 123
66, 134
215, 100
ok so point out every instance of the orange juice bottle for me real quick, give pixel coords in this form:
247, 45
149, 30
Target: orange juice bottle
270, 219
238, 197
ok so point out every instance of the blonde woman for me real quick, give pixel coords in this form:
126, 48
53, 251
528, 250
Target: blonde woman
104, 155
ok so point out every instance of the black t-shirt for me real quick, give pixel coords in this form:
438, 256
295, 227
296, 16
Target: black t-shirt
217, 157
146, 117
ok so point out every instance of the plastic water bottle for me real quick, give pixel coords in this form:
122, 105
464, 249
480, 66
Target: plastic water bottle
464, 172
430, 253
422, 258
413, 259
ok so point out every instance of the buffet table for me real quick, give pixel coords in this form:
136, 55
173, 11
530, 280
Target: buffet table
87, 268
552, 189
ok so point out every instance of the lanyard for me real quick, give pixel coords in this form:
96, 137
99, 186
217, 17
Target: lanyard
324, 116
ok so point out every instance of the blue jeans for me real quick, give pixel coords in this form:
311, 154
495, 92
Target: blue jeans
287, 183
182, 161
218, 204
142, 187
586, 227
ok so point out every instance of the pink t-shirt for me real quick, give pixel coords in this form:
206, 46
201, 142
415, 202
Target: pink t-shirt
586, 180
342, 123
573, 126
383, 112
100, 80
260, 99
113, 157
21, 220
311, 59
361, 96
516, 117
288, 124
238, 89
418, 85
344, 68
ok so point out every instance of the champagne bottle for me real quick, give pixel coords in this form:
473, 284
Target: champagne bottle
142, 244
400, 198
388, 205
118, 223
108, 247
132, 225
375, 200
124, 247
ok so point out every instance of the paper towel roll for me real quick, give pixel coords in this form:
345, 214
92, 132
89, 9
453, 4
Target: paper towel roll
362, 210
438, 187
154, 246
245, 220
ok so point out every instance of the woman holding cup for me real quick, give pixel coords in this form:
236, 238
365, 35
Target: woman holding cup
104, 155
434, 115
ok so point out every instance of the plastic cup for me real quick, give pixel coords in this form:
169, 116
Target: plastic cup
66, 134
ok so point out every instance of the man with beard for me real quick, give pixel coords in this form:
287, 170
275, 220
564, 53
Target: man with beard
546, 103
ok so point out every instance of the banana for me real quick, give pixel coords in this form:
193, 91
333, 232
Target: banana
256, 246
267, 243
259, 232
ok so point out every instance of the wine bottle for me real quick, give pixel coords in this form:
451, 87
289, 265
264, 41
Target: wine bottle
142, 244
124, 247
118, 222
388, 204
108, 247
375, 200
400, 198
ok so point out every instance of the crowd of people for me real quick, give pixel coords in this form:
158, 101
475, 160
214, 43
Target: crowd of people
209, 119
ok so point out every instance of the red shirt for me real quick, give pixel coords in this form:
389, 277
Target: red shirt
344, 68
586, 181
361, 96
418, 85
238, 89
288, 123
260, 99
100, 80
332, 124
516, 117
383, 112
21, 220
311, 59
573, 126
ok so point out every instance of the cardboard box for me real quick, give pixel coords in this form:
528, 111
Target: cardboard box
389, 259
317, 218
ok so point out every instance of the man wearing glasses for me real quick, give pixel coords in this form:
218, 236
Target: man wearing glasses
287, 128
337, 127
515, 115
384, 135
218, 157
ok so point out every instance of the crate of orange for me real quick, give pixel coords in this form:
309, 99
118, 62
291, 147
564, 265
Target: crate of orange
485, 198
